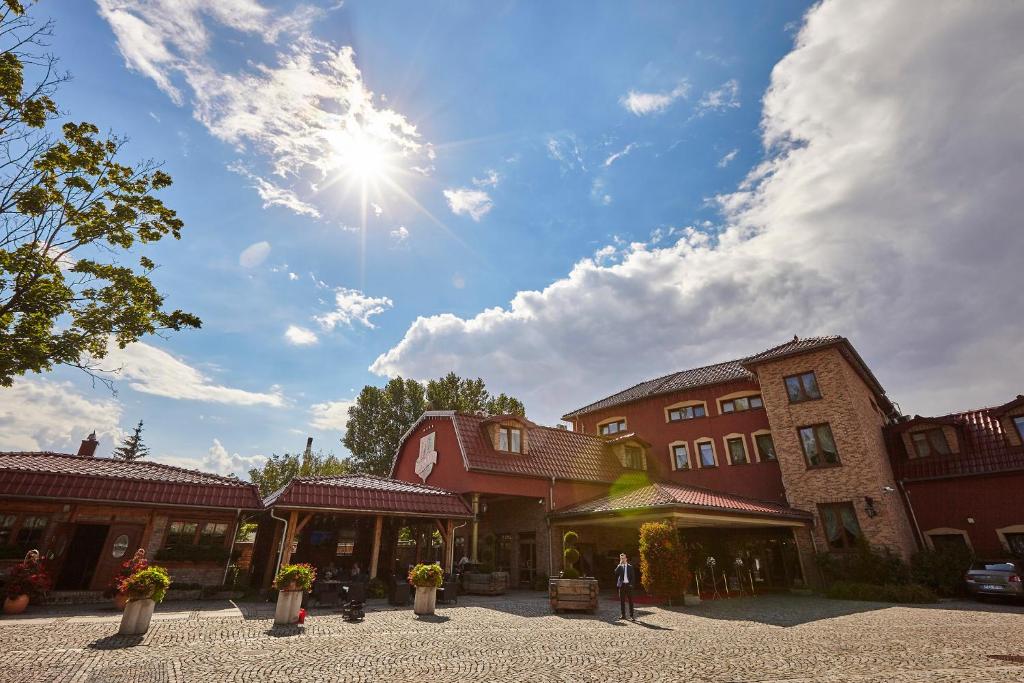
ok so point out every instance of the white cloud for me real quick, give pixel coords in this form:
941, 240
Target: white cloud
644, 103
567, 151
153, 371
300, 336
330, 416
274, 195
298, 112
727, 158
399, 235
41, 414
612, 158
886, 211
352, 306
293, 277
219, 461
254, 254
469, 202
726, 96
599, 193
378, 210
491, 178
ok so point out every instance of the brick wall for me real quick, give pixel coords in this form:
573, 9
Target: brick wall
515, 516
847, 406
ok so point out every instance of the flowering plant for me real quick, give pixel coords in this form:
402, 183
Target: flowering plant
27, 578
296, 576
137, 563
149, 583
426, 576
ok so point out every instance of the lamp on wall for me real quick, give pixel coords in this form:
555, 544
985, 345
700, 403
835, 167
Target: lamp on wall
869, 506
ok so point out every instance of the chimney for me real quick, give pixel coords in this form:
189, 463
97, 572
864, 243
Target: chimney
88, 447
309, 446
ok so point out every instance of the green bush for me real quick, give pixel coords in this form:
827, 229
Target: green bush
905, 593
663, 562
570, 555
941, 570
300, 576
864, 564
377, 588
151, 582
426, 576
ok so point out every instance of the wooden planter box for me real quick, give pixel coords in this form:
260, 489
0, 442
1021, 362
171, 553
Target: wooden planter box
574, 594
495, 583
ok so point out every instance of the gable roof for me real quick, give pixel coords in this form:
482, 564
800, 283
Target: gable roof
552, 452
60, 475
369, 493
984, 448
662, 495
739, 369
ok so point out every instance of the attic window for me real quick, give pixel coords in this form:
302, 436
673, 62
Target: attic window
634, 458
613, 428
1018, 422
929, 442
510, 439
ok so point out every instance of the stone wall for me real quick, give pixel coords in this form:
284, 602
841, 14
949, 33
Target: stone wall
515, 516
848, 406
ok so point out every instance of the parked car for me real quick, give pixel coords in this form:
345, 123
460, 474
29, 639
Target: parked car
995, 578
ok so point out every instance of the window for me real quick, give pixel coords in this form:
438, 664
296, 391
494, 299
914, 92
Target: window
765, 447
707, 453
841, 527
802, 387
6, 527
819, 446
31, 532
929, 442
213, 534
737, 451
613, 427
634, 457
686, 413
681, 456
181, 533
949, 542
738, 405
1018, 422
510, 439
1015, 542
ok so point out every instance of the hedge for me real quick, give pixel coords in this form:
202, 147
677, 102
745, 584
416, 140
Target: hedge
907, 593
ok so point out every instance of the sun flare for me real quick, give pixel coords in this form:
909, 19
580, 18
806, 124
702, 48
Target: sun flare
361, 156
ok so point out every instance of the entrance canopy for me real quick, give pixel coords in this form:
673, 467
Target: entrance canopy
685, 505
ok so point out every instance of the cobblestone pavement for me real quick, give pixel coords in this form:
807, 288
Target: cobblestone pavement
516, 638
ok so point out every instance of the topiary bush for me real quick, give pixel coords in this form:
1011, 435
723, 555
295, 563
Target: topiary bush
941, 570
663, 566
906, 593
570, 555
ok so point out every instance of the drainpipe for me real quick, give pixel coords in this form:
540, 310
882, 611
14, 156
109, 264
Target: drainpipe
913, 518
234, 537
551, 508
284, 537
476, 527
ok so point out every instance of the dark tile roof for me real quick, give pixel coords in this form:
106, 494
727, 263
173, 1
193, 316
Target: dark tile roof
793, 347
677, 381
984, 448
368, 493
552, 452
59, 475
663, 495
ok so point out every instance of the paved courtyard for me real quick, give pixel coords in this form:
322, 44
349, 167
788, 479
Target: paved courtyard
516, 638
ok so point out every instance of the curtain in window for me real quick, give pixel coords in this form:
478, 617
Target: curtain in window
828, 445
810, 445
828, 516
850, 525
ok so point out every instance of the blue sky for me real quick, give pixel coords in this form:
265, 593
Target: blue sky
562, 200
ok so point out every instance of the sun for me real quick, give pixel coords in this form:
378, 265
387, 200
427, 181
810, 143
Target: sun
360, 155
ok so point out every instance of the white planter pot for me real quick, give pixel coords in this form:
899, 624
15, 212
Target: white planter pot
426, 600
136, 617
288, 605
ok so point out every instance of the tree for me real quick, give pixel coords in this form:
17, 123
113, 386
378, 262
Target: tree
132, 448
281, 469
70, 215
663, 569
380, 417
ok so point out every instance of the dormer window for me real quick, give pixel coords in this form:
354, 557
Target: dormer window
738, 405
610, 428
634, 457
1018, 422
929, 442
510, 439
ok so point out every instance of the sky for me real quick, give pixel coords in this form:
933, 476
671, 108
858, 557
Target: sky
562, 199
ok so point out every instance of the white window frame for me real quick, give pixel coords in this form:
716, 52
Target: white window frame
735, 395
947, 531
728, 453
1012, 529
696, 450
686, 404
672, 456
620, 418
756, 450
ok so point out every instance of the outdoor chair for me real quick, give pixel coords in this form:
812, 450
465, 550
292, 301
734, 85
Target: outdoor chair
449, 591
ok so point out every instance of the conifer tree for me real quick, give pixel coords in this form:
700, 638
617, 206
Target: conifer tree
132, 448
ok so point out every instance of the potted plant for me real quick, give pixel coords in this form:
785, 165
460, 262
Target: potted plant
137, 563
26, 581
292, 581
570, 591
145, 588
427, 578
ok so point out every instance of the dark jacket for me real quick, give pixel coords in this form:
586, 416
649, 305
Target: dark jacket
621, 569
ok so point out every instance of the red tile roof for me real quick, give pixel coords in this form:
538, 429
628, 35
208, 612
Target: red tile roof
368, 493
984, 448
662, 495
59, 475
551, 452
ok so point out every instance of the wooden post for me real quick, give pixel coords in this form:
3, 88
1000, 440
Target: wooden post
286, 553
449, 547
377, 526
476, 527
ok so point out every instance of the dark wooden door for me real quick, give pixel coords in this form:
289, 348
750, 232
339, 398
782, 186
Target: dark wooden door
81, 555
121, 543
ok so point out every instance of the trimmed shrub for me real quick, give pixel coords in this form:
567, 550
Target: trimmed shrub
570, 555
864, 564
663, 567
905, 593
941, 570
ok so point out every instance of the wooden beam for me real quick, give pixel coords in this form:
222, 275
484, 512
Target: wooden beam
303, 523
449, 547
375, 555
286, 553
475, 528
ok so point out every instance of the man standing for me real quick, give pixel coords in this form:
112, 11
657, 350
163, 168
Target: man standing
625, 578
